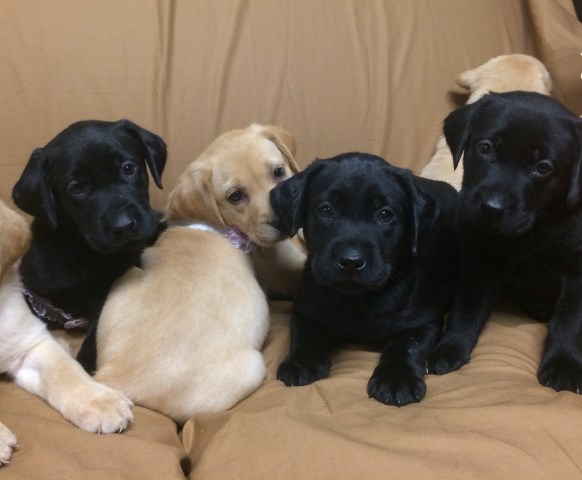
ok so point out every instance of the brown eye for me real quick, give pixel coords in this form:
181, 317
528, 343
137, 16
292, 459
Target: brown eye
543, 168
75, 189
325, 211
484, 148
128, 169
279, 172
235, 197
384, 216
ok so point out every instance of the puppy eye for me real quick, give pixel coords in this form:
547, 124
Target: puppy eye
384, 216
485, 148
235, 197
75, 189
325, 211
543, 168
128, 169
279, 172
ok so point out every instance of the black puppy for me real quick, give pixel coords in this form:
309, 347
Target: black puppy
520, 221
87, 190
379, 271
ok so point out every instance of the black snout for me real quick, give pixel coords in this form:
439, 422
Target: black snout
351, 261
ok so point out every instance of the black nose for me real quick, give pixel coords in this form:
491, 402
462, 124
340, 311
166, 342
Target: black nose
123, 225
496, 205
352, 261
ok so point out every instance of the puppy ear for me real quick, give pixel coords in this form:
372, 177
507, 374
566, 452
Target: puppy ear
153, 147
288, 199
425, 212
457, 128
33, 193
285, 142
575, 188
194, 198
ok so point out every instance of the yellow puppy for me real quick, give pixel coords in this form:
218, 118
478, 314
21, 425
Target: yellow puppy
500, 74
183, 334
229, 184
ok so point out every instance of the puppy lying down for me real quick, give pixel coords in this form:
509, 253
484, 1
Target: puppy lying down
379, 271
183, 334
500, 74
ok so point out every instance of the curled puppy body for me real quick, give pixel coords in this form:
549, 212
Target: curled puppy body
520, 223
229, 184
379, 271
182, 335
504, 73
87, 190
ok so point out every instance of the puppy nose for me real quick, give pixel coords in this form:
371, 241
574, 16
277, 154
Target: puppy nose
495, 205
123, 225
352, 261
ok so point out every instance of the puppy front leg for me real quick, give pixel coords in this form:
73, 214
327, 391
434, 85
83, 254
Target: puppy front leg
48, 371
399, 377
561, 365
474, 300
308, 359
8, 444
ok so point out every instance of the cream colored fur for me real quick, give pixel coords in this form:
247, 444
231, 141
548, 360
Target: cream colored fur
183, 334
500, 74
244, 160
37, 362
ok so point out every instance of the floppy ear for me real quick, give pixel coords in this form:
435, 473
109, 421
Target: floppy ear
193, 197
425, 212
285, 142
153, 147
33, 193
457, 128
288, 199
574, 191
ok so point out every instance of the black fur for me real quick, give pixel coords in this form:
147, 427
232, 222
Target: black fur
520, 222
87, 190
379, 271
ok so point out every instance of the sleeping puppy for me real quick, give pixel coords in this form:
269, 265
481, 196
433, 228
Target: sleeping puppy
182, 335
228, 184
520, 222
379, 270
36, 361
87, 190
500, 74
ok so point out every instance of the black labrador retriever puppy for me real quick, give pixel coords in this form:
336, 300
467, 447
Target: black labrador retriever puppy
379, 271
520, 224
87, 190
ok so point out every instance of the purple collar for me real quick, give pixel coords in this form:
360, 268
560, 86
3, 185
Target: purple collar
47, 312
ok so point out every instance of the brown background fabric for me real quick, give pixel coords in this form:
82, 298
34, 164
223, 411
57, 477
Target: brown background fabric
367, 75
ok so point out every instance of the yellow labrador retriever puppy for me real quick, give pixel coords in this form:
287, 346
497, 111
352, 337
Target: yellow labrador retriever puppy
183, 334
500, 74
36, 361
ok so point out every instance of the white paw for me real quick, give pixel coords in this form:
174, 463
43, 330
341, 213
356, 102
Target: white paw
8, 444
99, 409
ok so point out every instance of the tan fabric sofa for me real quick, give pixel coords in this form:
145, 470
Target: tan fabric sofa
342, 75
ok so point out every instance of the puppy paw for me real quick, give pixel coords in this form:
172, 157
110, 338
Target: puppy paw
395, 386
8, 444
99, 409
561, 372
447, 357
301, 369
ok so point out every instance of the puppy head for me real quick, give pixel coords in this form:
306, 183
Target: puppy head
362, 219
229, 183
91, 180
506, 73
522, 160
